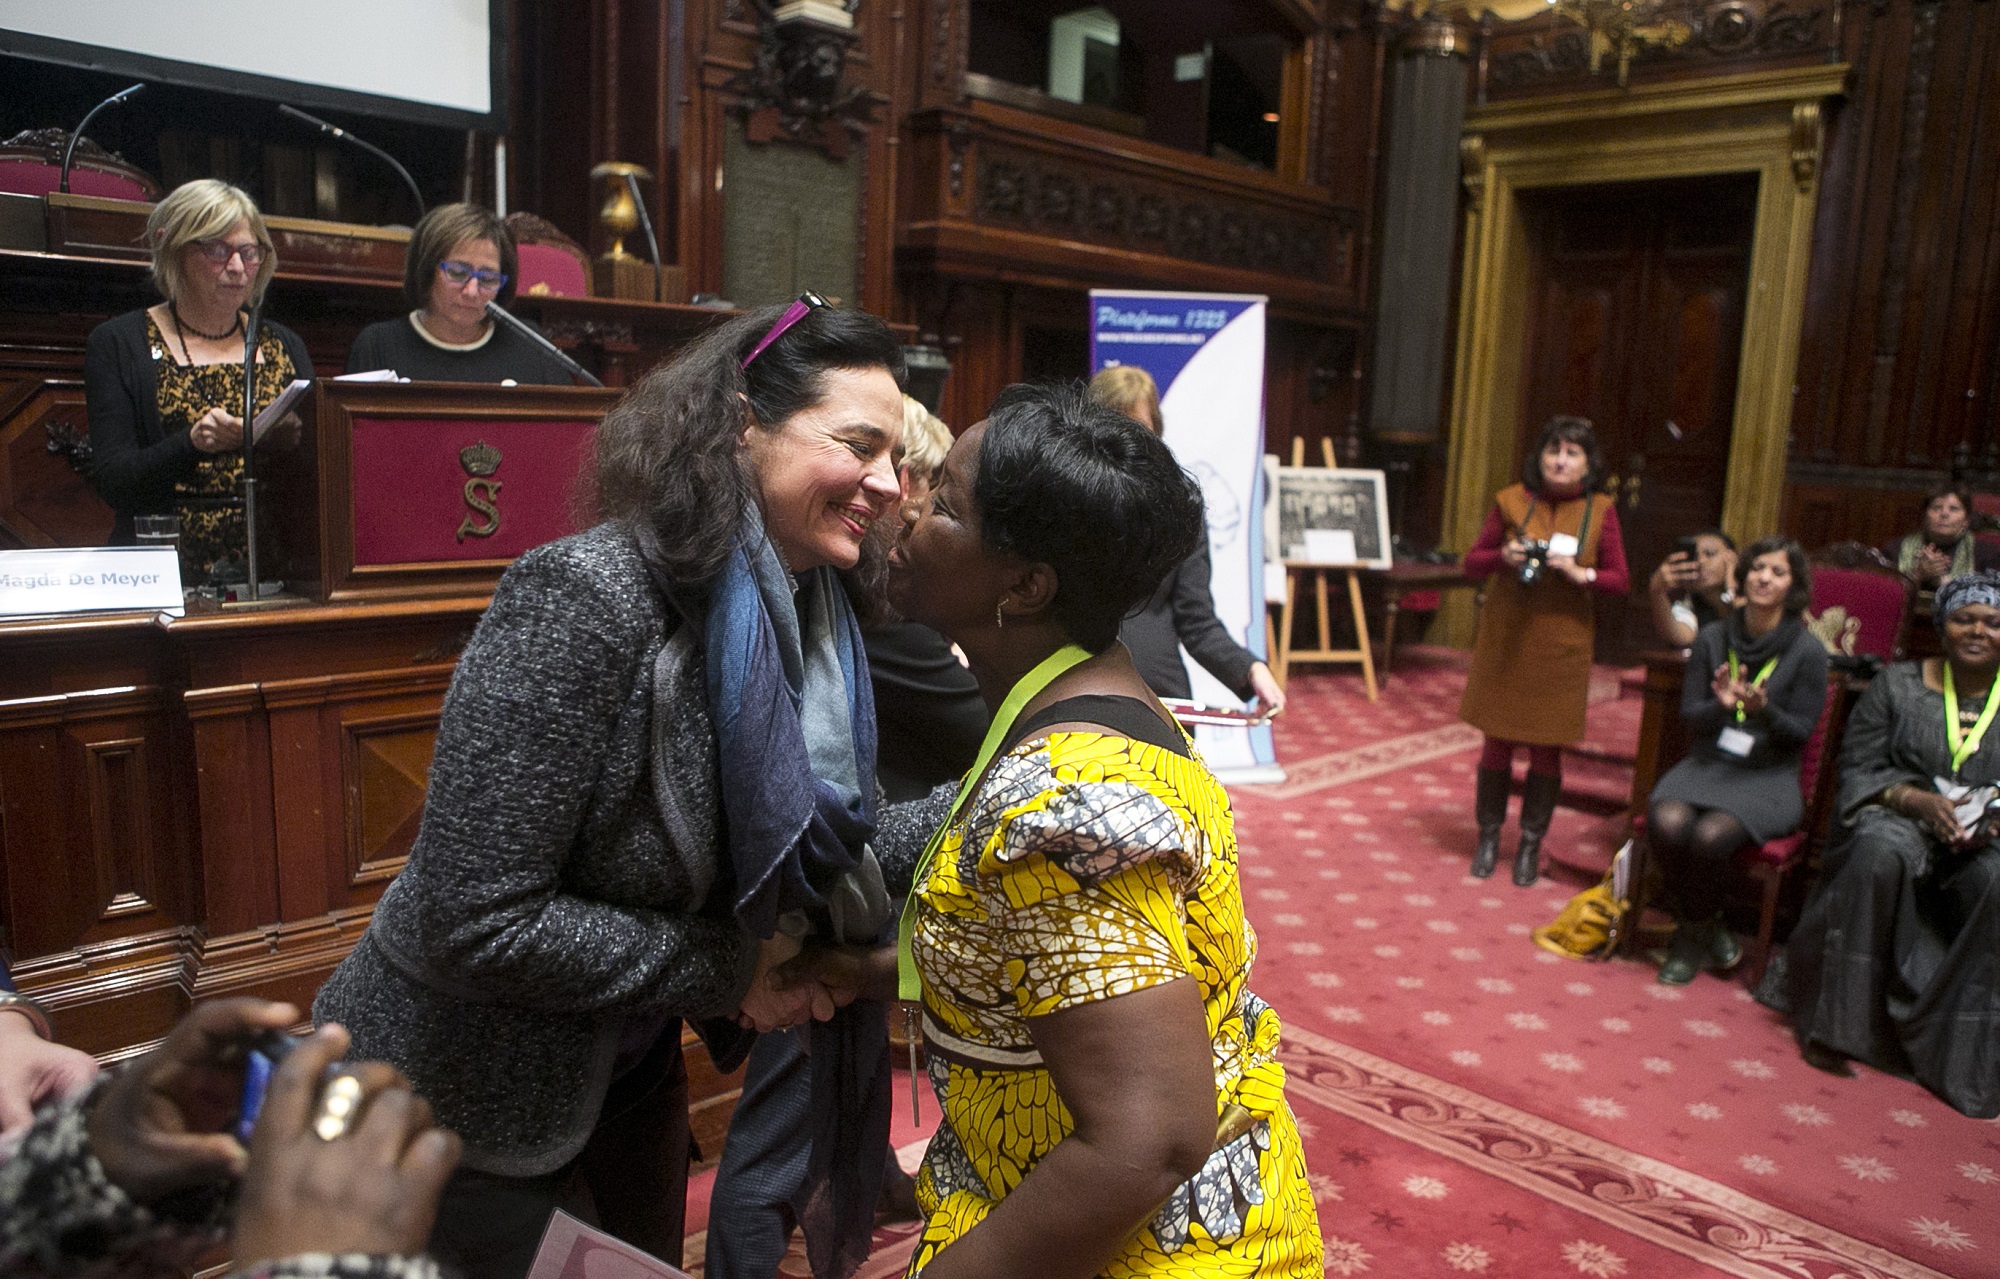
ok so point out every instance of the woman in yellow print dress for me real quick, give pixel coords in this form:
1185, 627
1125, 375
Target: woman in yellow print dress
1112, 1099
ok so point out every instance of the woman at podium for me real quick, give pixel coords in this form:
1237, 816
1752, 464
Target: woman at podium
164, 386
461, 258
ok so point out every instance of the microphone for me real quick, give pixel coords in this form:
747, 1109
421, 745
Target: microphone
76, 134
527, 330
249, 480
343, 135
646, 224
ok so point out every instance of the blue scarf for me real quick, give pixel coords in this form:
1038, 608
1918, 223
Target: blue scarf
794, 718
795, 730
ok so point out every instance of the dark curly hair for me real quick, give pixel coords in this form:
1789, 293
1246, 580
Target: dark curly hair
1574, 430
669, 453
1086, 490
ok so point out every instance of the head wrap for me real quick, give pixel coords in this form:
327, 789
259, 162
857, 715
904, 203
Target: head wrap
1982, 587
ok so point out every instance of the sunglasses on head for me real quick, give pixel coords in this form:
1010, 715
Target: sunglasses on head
807, 303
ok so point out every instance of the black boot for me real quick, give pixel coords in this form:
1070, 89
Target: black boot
1538, 805
1689, 954
1724, 951
1489, 807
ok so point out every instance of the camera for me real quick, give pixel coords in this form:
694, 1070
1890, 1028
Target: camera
1537, 560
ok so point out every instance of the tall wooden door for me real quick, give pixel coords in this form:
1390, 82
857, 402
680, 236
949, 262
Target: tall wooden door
1636, 322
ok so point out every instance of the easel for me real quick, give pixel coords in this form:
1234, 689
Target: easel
1286, 653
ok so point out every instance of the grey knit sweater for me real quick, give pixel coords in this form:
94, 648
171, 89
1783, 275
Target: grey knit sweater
546, 909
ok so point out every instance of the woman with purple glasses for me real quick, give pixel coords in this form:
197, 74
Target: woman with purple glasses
654, 777
461, 257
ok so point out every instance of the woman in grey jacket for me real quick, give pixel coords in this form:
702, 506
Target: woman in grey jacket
654, 773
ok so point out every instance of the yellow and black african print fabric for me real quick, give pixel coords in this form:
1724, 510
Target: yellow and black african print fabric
211, 522
1089, 866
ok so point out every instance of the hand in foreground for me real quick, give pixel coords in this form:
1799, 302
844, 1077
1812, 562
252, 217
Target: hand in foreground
1755, 698
1515, 552
846, 973
1932, 564
33, 1070
1681, 571
216, 431
1567, 566
373, 1190
163, 1124
1727, 691
1270, 697
771, 1005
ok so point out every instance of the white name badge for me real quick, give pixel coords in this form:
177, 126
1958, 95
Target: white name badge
90, 579
1736, 742
1563, 544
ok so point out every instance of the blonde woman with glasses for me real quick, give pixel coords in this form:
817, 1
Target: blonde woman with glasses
164, 385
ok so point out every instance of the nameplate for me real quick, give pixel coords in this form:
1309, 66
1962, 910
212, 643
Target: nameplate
90, 580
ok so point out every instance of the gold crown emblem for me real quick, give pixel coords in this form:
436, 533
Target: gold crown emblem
479, 459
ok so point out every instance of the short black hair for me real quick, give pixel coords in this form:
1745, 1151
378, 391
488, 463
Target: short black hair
1086, 490
1799, 598
1576, 430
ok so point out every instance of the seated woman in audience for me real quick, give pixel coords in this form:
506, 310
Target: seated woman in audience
658, 746
142, 1174
1112, 1099
461, 257
1182, 610
1688, 591
1944, 547
1896, 960
164, 385
1755, 684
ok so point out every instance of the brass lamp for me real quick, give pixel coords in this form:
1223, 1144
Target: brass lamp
619, 273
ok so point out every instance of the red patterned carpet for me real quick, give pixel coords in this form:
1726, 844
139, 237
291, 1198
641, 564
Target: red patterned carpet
1474, 1105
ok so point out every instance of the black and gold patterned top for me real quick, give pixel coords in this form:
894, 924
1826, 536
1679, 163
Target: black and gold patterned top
211, 523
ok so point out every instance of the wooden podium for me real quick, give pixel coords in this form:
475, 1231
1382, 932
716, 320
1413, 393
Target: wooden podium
398, 490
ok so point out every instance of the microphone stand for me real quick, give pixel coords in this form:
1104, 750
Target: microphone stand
76, 134
646, 224
249, 447
527, 330
343, 135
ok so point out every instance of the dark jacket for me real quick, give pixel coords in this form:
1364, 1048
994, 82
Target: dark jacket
1794, 693
929, 716
134, 462
1182, 611
562, 893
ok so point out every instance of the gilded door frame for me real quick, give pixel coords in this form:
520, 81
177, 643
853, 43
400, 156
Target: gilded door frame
1767, 123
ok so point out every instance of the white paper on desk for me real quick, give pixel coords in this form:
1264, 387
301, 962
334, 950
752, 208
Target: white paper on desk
572, 1250
1329, 546
372, 375
277, 409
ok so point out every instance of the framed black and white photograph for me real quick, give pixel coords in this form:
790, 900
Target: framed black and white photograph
1330, 516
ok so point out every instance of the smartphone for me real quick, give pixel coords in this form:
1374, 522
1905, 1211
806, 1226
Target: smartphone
1688, 546
267, 1050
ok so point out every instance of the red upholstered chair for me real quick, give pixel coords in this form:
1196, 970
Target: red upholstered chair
550, 262
31, 164
1860, 603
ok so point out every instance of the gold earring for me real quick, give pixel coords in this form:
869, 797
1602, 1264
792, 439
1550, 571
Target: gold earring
1000, 614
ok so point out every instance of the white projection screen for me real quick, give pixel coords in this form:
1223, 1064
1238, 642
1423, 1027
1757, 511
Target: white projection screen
429, 61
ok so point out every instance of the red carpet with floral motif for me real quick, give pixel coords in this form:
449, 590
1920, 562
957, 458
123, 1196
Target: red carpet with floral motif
1475, 1105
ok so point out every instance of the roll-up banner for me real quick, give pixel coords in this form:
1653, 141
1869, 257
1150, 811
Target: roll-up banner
1206, 352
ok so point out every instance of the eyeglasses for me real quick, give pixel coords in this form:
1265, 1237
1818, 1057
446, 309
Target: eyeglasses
220, 251
462, 273
808, 303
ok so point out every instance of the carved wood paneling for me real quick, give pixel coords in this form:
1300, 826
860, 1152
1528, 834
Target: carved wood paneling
1523, 58
44, 499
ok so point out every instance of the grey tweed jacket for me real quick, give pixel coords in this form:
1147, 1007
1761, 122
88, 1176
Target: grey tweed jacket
551, 900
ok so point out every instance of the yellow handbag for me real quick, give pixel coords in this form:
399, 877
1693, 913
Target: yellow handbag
1592, 921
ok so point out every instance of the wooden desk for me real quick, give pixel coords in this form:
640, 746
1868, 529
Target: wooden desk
1406, 576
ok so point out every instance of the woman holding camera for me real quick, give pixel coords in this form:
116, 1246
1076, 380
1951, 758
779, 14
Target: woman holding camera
1550, 544
1756, 681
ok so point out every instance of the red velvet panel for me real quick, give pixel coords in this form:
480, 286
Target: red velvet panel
28, 177
409, 487
548, 269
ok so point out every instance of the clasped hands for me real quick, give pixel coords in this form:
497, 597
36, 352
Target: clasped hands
796, 983
1939, 816
216, 431
1731, 692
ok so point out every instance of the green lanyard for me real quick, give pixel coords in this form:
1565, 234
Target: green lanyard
908, 984
1763, 673
1962, 747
